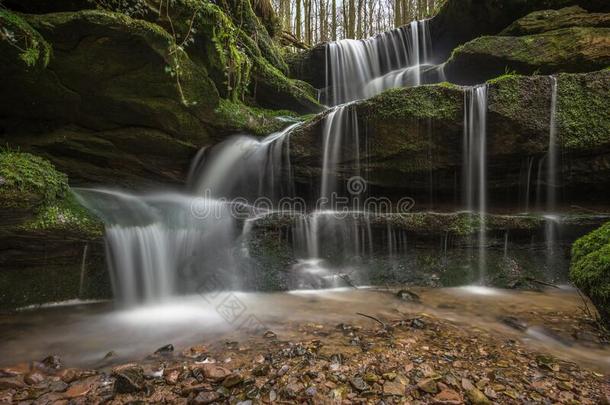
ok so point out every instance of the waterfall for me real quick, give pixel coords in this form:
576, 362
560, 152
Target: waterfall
336, 234
551, 180
551, 177
475, 163
340, 149
161, 245
352, 66
246, 167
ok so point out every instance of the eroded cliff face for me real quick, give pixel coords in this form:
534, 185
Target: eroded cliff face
112, 98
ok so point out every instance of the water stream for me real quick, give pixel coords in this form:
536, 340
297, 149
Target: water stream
475, 164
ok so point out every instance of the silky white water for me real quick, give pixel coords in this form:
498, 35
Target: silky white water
355, 67
475, 164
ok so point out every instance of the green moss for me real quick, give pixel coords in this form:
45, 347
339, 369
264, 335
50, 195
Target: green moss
590, 268
506, 76
583, 110
431, 101
236, 116
67, 215
25, 178
576, 49
22, 38
295, 93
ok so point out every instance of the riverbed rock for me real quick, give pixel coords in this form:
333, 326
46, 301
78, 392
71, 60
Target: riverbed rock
129, 378
214, 372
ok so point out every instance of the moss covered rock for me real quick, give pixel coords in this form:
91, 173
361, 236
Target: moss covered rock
411, 139
26, 183
590, 269
458, 21
95, 119
576, 49
549, 20
51, 247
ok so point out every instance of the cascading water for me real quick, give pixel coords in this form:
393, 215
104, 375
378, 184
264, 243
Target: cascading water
161, 245
551, 178
475, 163
356, 68
340, 151
246, 167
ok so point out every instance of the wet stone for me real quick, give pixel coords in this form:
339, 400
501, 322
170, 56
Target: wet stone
394, 388
52, 362
448, 397
232, 380
11, 383
169, 348
408, 296
129, 378
214, 372
205, 398
358, 384
33, 378
428, 385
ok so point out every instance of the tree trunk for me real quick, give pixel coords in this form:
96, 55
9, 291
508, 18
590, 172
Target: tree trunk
297, 21
334, 20
351, 28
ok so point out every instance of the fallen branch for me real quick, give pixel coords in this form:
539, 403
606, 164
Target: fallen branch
533, 280
373, 318
288, 39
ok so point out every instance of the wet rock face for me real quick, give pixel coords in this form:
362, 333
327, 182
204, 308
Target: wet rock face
412, 138
460, 22
95, 122
572, 49
550, 20
129, 118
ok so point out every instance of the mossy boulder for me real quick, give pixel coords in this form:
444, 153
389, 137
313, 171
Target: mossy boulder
51, 247
550, 20
575, 49
590, 269
108, 94
26, 183
272, 89
35, 196
460, 21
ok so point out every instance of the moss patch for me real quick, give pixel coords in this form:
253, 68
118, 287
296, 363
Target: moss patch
235, 116
583, 110
18, 36
69, 216
590, 269
25, 178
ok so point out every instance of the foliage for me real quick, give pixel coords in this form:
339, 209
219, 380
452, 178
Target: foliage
590, 269
258, 121
24, 175
19, 35
68, 215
